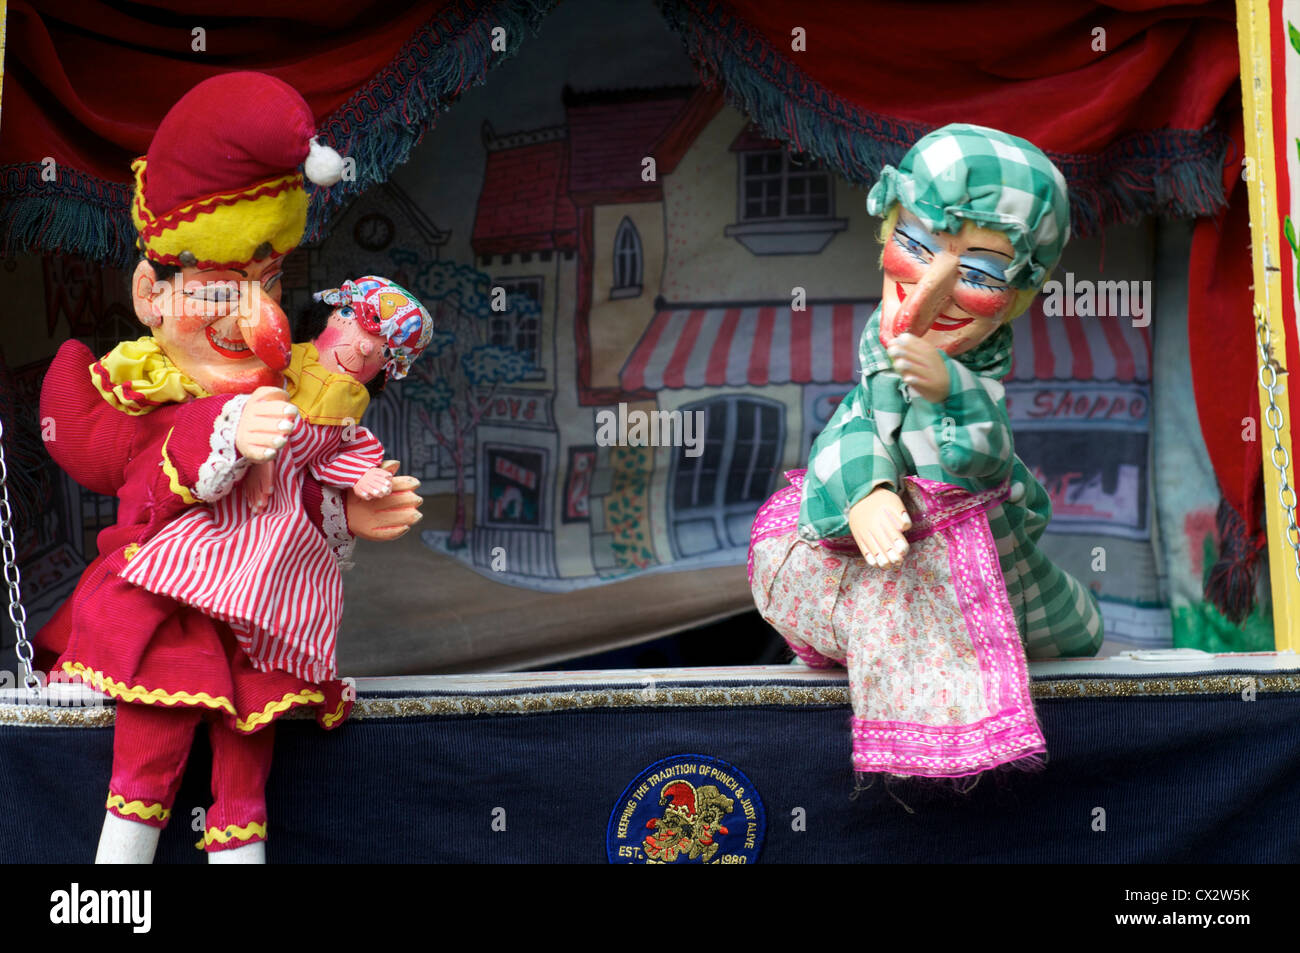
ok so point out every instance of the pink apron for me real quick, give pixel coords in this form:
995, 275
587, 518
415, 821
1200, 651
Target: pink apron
937, 673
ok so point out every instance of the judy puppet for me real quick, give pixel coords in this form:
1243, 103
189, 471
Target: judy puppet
907, 551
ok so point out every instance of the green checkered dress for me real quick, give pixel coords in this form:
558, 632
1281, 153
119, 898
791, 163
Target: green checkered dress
880, 433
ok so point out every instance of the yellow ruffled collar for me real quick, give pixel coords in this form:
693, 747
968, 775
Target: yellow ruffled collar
136, 377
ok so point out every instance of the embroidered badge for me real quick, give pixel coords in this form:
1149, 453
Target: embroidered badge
686, 809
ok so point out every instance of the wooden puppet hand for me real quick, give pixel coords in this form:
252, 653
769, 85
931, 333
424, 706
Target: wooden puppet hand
878, 522
385, 519
921, 366
265, 424
374, 484
257, 484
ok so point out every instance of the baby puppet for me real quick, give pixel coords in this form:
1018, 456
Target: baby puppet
253, 558
908, 549
346, 328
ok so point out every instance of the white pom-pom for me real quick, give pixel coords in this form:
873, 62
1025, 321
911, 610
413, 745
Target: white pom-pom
324, 166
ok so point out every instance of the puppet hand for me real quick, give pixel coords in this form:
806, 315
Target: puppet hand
921, 366
257, 484
877, 522
374, 483
388, 518
265, 424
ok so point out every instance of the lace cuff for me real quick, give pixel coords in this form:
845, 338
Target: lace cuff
224, 466
334, 524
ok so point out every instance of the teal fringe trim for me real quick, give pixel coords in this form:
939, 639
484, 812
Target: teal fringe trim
75, 213
377, 128
1171, 173
386, 118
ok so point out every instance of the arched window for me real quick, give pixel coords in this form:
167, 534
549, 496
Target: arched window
627, 261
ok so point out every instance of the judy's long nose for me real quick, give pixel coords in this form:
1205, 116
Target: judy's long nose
929, 295
265, 328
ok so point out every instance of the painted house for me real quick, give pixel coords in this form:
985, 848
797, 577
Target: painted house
525, 237
635, 227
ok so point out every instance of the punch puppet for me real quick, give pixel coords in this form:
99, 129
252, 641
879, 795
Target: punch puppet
170, 422
907, 551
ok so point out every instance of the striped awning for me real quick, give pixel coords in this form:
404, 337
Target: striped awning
1069, 347
730, 347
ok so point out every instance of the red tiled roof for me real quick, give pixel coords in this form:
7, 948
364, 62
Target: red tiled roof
524, 205
609, 138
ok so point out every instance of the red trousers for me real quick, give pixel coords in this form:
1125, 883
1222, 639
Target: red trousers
151, 744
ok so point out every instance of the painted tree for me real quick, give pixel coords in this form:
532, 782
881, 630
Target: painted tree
454, 382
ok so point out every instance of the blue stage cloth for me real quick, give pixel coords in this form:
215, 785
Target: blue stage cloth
1180, 778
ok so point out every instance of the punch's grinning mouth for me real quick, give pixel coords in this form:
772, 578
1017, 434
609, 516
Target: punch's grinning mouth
227, 347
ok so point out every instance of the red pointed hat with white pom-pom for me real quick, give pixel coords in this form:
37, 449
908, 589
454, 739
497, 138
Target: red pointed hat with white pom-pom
220, 186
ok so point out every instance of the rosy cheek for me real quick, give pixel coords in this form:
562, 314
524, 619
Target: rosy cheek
983, 303
183, 323
901, 266
330, 337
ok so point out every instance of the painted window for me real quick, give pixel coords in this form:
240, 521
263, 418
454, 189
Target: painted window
521, 332
774, 186
627, 259
515, 479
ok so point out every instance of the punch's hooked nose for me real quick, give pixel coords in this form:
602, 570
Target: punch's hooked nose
266, 330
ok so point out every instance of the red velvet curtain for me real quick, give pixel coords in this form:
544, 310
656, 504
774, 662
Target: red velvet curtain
1070, 76
86, 83
1123, 95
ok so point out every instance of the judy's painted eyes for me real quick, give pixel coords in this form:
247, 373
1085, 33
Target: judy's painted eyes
912, 246
981, 279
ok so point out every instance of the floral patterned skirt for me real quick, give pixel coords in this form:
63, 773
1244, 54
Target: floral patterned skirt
937, 673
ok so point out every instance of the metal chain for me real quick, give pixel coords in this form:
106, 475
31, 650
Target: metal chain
1269, 370
17, 614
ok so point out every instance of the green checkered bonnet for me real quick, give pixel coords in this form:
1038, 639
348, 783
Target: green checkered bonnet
963, 173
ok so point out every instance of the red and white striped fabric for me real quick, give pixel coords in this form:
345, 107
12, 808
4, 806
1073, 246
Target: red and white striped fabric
730, 347
273, 576
1070, 347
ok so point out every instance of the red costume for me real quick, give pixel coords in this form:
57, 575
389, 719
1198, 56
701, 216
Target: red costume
149, 650
218, 198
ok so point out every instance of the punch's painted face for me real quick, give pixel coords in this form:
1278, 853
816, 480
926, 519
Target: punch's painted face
345, 347
949, 289
222, 328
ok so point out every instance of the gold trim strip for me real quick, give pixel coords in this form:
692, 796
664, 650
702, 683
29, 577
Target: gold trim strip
1254, 39
740, 696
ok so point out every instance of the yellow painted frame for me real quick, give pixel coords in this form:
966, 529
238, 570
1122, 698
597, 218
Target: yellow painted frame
4, 19
1254, 38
